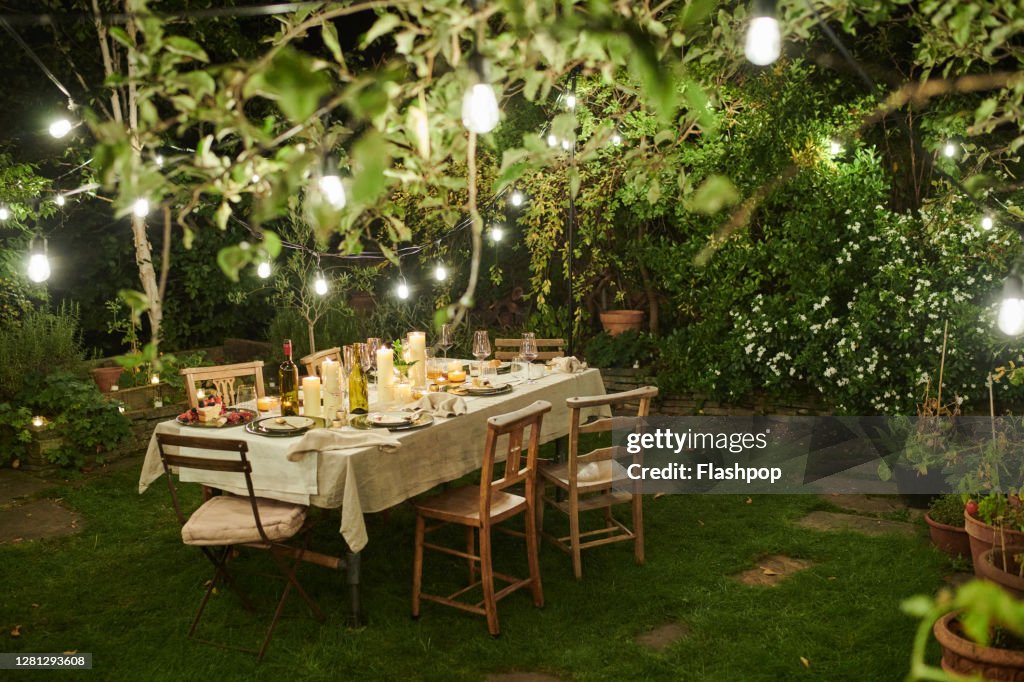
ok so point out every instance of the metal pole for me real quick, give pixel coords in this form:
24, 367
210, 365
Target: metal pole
570, 227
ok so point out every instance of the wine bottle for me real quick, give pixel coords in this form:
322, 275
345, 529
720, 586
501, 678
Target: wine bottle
358, 391
288, 377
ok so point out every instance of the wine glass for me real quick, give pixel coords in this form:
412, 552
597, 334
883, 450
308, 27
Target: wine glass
481, 348
245, 396
529, 352
446, 340
373, 344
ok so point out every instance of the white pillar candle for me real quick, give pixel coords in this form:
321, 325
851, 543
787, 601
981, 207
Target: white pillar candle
418, 354
329, 371
385, 366
311, 396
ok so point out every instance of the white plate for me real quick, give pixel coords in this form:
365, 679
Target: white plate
389, 418
287, 423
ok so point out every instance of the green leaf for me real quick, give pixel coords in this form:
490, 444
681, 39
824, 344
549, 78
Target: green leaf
121, 36
271, 243
185, 47
292, 81
330, 37
222, 215
369, 161
137, 301
199, 83
385, 24
713, 195
232, 259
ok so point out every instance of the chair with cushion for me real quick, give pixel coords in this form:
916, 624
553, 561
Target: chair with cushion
223, 379
312, 362
224, 522
587, 479
479, 509
509, 349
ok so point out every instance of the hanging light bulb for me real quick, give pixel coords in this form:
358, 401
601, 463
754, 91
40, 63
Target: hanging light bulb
949, 150
835, 147
140, 208
60, 128
764, 40
479, 105
987, 223
616, 138
497, 233
255, 178
38, 263
570, 102
159, 160
440, 272
516, 198
402, 290
552, 140
263, 269
59, 200
566, 145
320, 284
330, 185
1011, 310
5, 213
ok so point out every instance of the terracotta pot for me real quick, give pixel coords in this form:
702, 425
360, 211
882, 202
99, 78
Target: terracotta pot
992, 569
106, 377
952, 540
984, 537
617, 321
962, 656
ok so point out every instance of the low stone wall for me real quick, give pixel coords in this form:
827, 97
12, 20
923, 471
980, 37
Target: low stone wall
692, 404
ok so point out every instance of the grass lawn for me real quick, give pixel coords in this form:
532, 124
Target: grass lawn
125, 589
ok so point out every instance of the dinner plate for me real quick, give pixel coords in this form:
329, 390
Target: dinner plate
469, 389
284, 426
245, 417
389, 418
360, 421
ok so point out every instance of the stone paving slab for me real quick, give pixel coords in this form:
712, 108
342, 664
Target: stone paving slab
16, 484
663, 636
522, 677
772, 570
38, 519
822, 520
867, 504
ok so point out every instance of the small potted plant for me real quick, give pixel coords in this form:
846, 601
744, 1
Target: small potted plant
945, 519
996, 520
1004, 566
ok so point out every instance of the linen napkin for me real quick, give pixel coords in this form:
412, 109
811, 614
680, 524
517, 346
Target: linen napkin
336, 440
439, 405
567, 365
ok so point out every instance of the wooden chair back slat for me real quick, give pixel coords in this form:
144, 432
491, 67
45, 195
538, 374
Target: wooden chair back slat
611, 424
313, 362
513, 425
547, 349
223, 378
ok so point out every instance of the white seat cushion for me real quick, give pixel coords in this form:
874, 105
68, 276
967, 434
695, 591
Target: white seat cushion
228, 520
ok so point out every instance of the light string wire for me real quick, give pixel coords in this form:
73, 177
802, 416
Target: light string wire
39, 62
47, 19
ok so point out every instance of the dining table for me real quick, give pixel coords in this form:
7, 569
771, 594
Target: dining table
361, 471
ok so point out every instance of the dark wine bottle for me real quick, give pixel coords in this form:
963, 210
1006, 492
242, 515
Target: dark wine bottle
358, 391
288, 378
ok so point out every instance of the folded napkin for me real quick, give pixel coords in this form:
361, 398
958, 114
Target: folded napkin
439, 405
595, 471
336, 440
567, 365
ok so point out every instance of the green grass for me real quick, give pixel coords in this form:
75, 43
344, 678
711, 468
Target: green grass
125, 589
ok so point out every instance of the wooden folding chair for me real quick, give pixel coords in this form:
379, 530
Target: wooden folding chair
480, 509
223, 378
312, 362
509, 349
229, 521
594, 489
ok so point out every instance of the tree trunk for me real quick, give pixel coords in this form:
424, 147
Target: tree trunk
147, 276
312, 336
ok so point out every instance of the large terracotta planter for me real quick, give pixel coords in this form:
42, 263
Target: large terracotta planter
952, 540
962, 656
984, 537
992, 569
617, 321
106, 377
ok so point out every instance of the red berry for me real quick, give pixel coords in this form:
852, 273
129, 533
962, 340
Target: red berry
971, 508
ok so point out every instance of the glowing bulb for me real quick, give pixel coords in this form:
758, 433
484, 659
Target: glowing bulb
835, 147
255, 178
516, 199
333, 190
552, 140
59, 200
570, 101
200, 393
616, 139
402, 291
141, 208
38, 267
155, 379
480, 109
320, 285
764, 41
159, 160
949, 150
263, 270
440, 272
4, 213
37, 421
60, 128
1011, 316
120, 406
497, 233
987, 223
566, 144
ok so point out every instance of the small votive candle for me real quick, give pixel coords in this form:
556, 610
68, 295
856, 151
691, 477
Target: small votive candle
200, 393
454, 366
337, 424
155, 379
456, 376
265, 403
38, 421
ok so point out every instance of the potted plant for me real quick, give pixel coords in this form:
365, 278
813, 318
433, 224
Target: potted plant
1004, 567
996, 520
945, 519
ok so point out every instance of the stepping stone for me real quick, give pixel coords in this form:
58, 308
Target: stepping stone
821, 520
522, 677
867, 504
663, 636
772, 570
36, 520
16, 484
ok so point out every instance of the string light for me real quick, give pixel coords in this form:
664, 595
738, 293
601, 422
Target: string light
155, 379
479, 105
263, 270
38, 262
402, 290
60, 128
835, 147
987, 223
566, 145
497, 233
949, 150
440, 272
140, 208
320, 284
1011, 310
516, 198
159, 160
764, 40
59, 200
331, 187
5, 213
616, 138
570, 102
552, 140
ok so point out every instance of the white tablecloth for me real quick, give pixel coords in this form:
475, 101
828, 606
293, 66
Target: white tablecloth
369, 479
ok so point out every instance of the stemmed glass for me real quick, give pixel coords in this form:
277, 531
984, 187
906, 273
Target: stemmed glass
481, 348
373, 344
446, 340
245, 397
529, 353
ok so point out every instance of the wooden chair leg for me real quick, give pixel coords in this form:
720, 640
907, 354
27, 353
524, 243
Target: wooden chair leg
417, 566
574, 533
538, 506
532, 543
638, 527
471, 549
487, 576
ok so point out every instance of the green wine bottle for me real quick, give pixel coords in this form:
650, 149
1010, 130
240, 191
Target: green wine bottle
288, 378
358, 391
